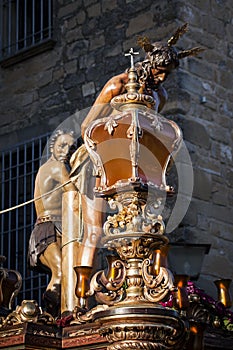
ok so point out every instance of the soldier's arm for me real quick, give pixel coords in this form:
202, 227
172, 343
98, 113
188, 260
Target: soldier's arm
60, 174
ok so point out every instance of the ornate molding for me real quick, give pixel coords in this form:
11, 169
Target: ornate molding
148, 327
120, 101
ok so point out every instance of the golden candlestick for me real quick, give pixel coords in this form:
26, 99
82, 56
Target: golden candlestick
223, 286
83, 274
182, 301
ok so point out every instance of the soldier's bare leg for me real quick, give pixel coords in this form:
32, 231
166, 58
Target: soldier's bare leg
51, 258
92, 213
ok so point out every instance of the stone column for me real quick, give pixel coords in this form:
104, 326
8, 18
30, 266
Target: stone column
71, 228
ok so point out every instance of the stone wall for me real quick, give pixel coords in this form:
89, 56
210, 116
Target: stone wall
37, 94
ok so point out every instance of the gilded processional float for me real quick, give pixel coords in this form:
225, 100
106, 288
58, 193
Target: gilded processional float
113, 193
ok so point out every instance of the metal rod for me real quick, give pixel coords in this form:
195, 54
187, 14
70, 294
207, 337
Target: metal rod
41, 19
32, 213
50, 18
17, 25
1, 29
33, 22
9, 28
32, 182
24, 209
9, 216
17, 211
3, 202
25, 24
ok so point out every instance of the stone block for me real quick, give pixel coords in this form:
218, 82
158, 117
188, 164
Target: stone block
219, 197
215, 26
67, 10
201, 69
222, 10
191, 218
223, 120
221, 152
140, 23
202, 5
49, 89
73, 93
71, 23
97, 41
90, 27
94, 72
70, 67
74, 34
178, 103
212, 167
90, 2
127, 44
190, 83
219, 133
225, 79
222, 213
88, 89
202, 185
27, 98
80, 46
114, 51
58, 73
212, 56
109, 5
196, 133
86, 61
94, 10
229, 177
217, 264
81, 17
73, 80
221, 230
45, 78
230, 50
203, 222
56, 100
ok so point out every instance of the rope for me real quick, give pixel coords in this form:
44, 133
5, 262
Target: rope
70, 241
35, 199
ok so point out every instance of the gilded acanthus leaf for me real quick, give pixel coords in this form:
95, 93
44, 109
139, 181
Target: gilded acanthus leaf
110, 125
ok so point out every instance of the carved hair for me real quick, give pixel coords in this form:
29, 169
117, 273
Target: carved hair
155, 49
55, 136
161, 54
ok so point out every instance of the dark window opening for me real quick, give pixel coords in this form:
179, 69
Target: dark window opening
18, 169
24, 24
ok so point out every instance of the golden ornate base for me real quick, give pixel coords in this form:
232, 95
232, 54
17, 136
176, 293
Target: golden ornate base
36, 336
144, 326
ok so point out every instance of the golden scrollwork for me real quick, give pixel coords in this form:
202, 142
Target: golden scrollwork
108, 289
28, 311
135, 216
156, 287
